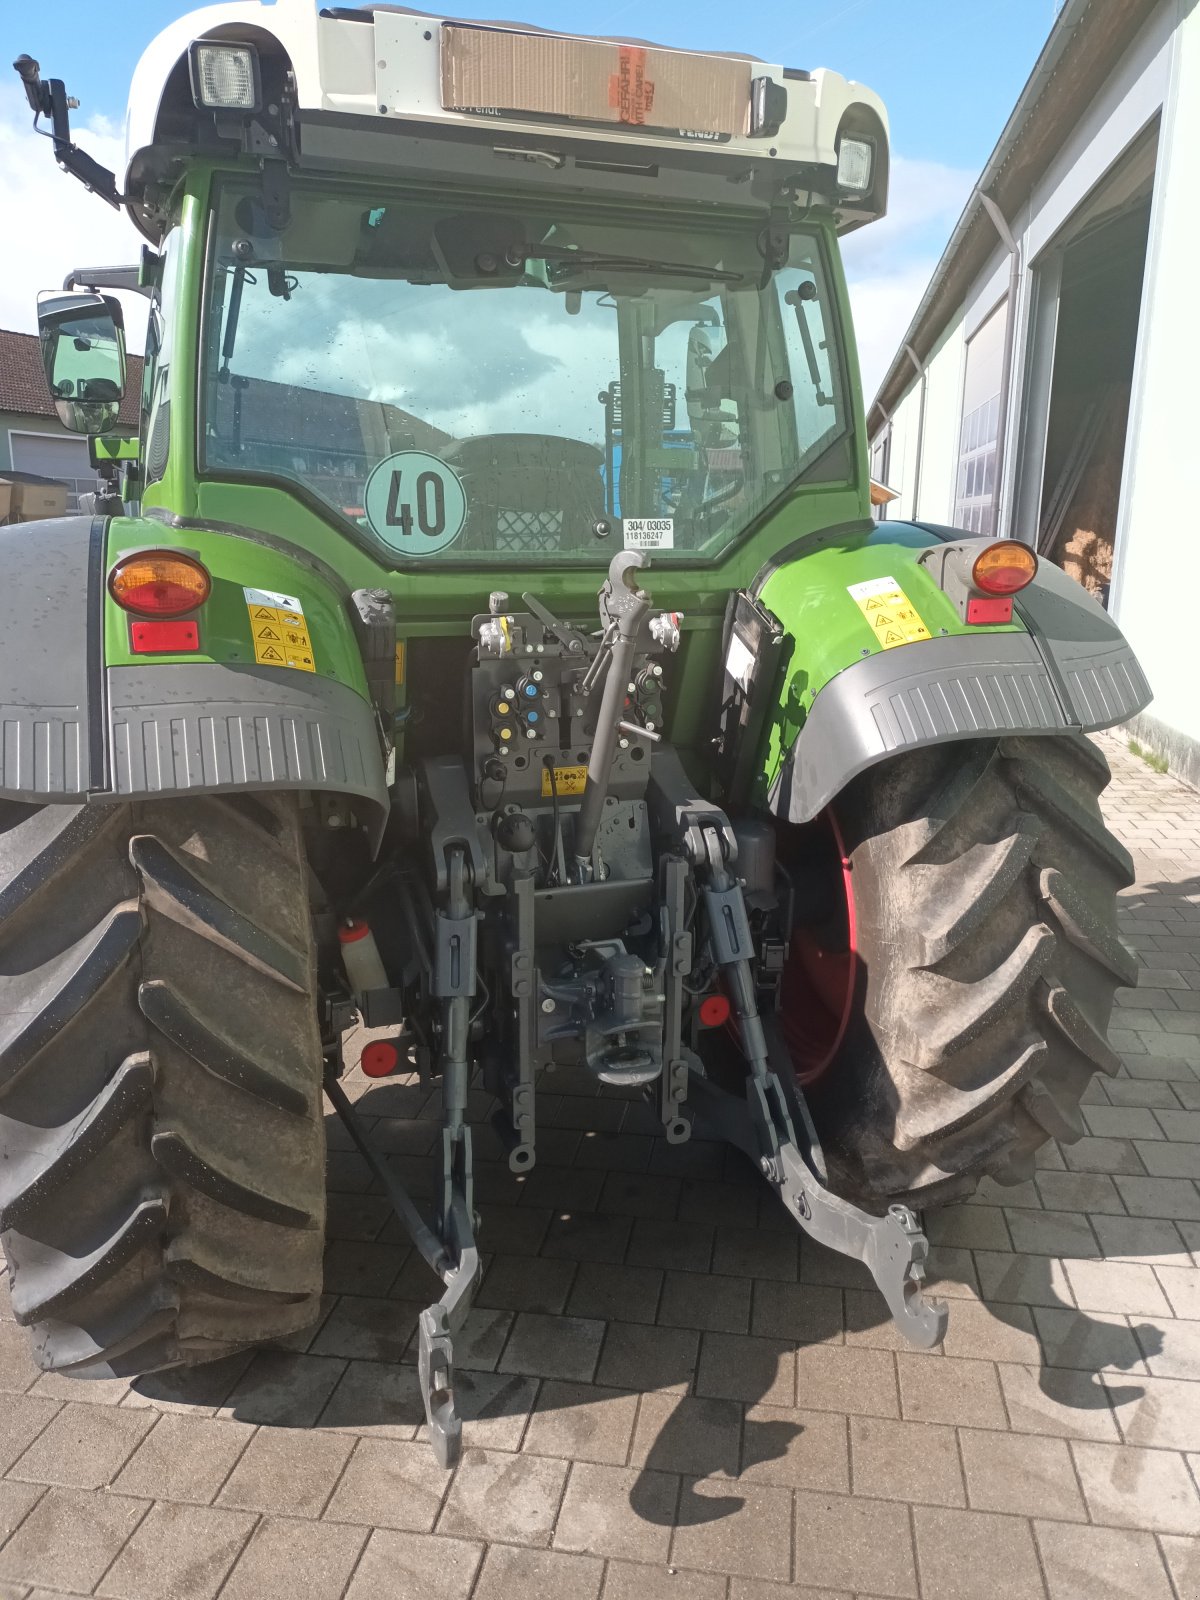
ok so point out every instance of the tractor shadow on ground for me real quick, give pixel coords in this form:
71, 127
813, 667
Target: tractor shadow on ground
678, 1293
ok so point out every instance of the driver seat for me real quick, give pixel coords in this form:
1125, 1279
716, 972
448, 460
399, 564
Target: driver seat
528, 493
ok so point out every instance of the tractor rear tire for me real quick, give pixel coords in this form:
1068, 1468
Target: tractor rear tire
162, 1174
984, 887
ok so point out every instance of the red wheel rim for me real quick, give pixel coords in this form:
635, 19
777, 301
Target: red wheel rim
817, 992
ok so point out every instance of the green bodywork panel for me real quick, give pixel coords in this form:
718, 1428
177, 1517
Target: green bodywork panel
810, 597
235, 564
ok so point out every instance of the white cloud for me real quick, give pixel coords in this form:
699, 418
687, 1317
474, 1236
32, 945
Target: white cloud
51, 222
890, 263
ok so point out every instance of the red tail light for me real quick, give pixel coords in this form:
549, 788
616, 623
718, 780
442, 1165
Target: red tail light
1004, 567
159, 583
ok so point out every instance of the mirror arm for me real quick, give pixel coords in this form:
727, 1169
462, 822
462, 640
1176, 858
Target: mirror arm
90, 173
127, 279
48, 98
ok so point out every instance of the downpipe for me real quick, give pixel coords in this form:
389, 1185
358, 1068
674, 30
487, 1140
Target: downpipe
1000, 223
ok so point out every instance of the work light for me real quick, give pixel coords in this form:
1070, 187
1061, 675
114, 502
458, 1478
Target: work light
225, 77
856, 161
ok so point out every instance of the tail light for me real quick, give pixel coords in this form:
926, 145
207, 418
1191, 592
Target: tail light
1004, 567
980, 577
159, 583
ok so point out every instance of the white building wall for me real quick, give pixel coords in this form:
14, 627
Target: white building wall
902, 463
931, 499
1156, 582
1156, 586
943, 405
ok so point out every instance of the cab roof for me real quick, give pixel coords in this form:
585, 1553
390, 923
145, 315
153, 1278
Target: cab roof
381, 88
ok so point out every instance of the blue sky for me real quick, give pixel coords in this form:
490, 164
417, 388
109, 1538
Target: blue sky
949, 71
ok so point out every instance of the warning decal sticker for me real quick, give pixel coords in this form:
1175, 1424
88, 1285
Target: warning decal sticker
279, 630
567, 780
889, 611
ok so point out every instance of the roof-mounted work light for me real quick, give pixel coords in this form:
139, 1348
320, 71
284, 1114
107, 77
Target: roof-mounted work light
856, 165
225, 77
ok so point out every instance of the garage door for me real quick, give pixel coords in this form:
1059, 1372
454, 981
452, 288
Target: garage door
57, 456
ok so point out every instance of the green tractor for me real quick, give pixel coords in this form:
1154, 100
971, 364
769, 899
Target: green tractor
490, 642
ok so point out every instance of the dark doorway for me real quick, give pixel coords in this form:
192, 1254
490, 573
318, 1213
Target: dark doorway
1098, 314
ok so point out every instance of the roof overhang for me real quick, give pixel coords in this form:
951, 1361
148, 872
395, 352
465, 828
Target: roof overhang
1087, 40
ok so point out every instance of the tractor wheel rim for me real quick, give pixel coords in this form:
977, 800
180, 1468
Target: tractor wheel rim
817, 996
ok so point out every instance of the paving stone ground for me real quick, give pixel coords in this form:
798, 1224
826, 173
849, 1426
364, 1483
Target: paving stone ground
669, 1395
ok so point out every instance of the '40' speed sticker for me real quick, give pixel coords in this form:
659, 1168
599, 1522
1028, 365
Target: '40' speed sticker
415, 503
889, 611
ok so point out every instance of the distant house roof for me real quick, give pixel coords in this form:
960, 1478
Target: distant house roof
23, 383
1087, 40
293, 416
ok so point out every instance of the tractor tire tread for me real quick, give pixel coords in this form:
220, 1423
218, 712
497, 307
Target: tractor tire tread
162, 1200
991, 885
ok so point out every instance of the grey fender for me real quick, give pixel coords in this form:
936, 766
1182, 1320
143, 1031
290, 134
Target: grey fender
72, 729
1072, 672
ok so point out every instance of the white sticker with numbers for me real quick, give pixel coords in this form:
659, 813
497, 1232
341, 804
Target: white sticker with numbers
649, 533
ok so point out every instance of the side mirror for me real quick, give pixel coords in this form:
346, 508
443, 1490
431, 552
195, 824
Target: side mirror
83, 353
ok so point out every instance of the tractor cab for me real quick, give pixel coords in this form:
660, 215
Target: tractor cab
471, 292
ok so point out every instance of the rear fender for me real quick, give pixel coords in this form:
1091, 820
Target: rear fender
858, 689
87, 718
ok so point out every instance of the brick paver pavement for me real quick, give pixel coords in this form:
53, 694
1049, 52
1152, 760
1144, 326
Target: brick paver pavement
708, 1410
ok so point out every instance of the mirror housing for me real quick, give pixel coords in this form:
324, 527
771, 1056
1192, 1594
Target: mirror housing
82, 337
107, 449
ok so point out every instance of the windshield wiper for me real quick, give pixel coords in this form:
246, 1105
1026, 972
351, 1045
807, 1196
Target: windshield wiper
583, 259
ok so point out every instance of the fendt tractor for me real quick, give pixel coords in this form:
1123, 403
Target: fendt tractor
316, 721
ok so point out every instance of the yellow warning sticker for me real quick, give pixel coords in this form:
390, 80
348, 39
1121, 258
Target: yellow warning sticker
278, 630
889, 611
567, 780
399, 660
